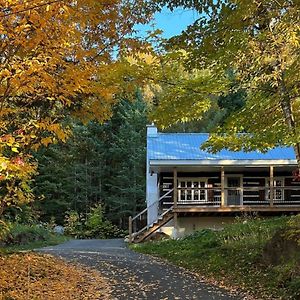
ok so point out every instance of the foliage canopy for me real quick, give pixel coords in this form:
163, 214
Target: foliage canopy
256, 42
56, 57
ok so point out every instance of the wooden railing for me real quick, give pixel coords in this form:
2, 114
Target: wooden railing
254, 195
139, 223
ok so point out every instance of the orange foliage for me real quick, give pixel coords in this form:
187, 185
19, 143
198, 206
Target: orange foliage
56, 57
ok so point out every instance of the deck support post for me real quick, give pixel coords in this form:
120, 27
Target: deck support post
271, 185
130, 229
175, 184
223, 201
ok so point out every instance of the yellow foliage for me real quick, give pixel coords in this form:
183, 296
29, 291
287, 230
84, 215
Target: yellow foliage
43, 277
56, 57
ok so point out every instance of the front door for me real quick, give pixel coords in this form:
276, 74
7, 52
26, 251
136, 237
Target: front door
234, 195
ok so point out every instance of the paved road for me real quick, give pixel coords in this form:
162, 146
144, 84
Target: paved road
136, 276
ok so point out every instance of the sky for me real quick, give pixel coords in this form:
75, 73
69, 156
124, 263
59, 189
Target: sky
172, 23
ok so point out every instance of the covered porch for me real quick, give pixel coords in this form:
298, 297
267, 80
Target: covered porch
228, 188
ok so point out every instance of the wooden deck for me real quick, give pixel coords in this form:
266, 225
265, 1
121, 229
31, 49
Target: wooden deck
229, 209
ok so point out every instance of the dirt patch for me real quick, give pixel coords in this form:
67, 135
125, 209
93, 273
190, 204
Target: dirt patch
158, 236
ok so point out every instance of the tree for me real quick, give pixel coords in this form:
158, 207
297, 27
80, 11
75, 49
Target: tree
257, 41
99, 164
56, 57
71, 173
126, 161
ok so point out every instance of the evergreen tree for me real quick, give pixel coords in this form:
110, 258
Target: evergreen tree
125, 189
98, 164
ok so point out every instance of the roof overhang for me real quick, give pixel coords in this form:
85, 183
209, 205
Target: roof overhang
158, 165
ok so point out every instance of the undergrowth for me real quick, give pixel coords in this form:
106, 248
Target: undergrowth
18, 237
260, 256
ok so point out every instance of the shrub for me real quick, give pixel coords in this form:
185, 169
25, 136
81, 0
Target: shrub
23, 214
97, 226
20, 234
4, 229
73, 223
93, 225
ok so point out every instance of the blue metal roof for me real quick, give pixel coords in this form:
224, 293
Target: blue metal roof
186, 146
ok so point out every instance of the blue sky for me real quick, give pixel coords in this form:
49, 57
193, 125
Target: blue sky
172, 23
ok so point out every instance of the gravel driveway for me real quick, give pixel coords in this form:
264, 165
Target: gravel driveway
136, 276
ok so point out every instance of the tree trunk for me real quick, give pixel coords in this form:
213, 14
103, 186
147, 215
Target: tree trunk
289, 119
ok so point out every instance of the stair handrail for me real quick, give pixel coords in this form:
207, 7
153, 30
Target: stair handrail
148, 226
131, 219
139, 214
166, 194
145, 210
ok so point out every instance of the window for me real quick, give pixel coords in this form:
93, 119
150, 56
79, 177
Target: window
192, 190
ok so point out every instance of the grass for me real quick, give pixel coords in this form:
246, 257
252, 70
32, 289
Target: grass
238, 256
53, 240
22, 237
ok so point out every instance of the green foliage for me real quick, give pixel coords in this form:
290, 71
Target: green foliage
251, 229
91, 225
124, 190
251, 50
23, 214
70, 173
235, 256
4, 229
97, 226
294, 229
98, 164
22, 236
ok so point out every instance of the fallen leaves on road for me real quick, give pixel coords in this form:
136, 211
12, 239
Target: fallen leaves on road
44, 277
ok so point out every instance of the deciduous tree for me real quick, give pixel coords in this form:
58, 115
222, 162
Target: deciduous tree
56, 56
257, 41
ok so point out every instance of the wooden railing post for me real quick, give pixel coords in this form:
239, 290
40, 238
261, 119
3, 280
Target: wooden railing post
223, 200
130, 229
271, 185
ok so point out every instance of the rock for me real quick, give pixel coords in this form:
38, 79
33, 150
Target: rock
59, 229
282, 247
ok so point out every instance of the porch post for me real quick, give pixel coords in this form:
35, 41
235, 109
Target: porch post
175, 191
271, 185
223, 201
175, 196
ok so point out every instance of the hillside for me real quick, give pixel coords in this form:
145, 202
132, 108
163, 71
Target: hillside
260, 257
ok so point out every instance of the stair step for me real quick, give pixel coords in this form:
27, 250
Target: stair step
148, 231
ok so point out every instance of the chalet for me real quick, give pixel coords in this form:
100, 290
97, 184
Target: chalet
188, 188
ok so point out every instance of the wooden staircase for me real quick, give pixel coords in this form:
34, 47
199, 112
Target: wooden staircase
146, 232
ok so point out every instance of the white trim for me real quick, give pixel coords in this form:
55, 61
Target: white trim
192, 180
223, 162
